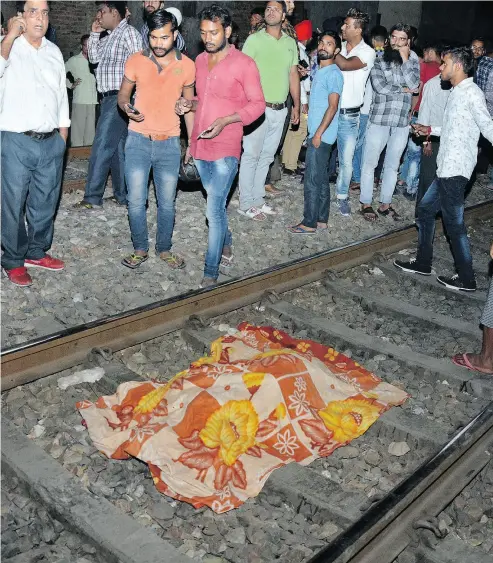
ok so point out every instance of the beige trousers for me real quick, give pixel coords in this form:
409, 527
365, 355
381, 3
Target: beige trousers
292, 144
83, 125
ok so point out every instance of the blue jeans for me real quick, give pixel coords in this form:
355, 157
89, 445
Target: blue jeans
217, 177
317, 188
347, 137
31, 181
377, 137
142, 154
411, 164
358, 153
445, 195
107, 153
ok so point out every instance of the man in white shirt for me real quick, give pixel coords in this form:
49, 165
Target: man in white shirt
465, 117
356, 61
85, 98
34, 122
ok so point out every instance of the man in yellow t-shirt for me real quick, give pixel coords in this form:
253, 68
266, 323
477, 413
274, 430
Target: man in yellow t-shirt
85, 98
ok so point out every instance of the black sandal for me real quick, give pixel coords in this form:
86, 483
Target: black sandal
369, 214
390, 211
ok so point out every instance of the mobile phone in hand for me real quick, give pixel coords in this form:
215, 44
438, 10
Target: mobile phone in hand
204, 132
133, 109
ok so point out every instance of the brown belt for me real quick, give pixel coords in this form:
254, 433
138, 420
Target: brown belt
158, 137
276, 106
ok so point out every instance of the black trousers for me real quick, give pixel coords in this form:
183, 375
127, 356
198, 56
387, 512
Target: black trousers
428, 169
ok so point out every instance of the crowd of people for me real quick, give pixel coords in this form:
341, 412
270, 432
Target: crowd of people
394, 116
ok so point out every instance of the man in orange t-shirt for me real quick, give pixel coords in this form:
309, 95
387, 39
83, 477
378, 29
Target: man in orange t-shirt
161, 76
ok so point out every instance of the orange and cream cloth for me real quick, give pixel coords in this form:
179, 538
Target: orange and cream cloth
215, 432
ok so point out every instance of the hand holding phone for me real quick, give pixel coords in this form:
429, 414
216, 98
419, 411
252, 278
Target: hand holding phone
133, 113
133, 109
204, 132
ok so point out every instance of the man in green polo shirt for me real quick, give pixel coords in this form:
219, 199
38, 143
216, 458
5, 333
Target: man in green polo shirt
276, 56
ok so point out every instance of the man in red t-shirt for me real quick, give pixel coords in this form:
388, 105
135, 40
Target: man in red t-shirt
229, 96
409, 173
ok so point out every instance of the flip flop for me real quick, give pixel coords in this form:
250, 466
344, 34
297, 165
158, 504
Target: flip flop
299, 230
226, 261
134, 260
462, 361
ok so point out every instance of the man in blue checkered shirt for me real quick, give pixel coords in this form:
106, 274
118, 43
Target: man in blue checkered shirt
394, 78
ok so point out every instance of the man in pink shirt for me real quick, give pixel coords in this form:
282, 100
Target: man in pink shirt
229, 96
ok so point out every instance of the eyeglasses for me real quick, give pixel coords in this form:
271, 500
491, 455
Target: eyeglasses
33, 13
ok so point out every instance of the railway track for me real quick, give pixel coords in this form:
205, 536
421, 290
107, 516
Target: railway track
366, 502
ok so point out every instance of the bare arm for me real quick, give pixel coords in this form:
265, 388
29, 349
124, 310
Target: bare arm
351, 63
188, 94
295, 91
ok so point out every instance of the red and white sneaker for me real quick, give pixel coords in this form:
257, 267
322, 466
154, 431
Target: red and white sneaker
46, 263
19, 276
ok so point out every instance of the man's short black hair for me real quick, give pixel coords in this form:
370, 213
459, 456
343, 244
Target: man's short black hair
160, 18
216, 13
258, 10
120, 7
461, 55
478, 39
84, 38
283, 5
361, 18
402, 27
335, 36
432, 47
379, 33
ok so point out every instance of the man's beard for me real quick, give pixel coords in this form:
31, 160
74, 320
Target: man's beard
217, 49
392, 56
445, 84
166, 51
324, 56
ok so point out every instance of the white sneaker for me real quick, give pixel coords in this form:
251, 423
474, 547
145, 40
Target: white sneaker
253, 213
267, 209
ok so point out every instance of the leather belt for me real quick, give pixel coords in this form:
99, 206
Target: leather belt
158, 137
349, 111
109, 93
276, 106
40, 136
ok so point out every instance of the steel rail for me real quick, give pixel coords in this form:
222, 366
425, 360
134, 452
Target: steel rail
386, 529
41, 357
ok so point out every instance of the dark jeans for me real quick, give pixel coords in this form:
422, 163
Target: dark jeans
31, 178
428, 170
445, 195
107, 154
317, 188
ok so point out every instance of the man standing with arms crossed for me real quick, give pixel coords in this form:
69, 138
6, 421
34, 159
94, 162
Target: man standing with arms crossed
229, 96
465, 117
111, 53
160, 75
276, 55
34, 122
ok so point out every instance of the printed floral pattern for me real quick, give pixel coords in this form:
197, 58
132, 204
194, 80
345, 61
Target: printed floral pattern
260, 400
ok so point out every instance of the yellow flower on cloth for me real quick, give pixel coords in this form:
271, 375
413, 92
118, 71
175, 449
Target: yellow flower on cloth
350, 418
150, 401
232, 429
253, 381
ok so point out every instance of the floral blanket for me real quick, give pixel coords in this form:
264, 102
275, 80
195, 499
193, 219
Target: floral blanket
215, 432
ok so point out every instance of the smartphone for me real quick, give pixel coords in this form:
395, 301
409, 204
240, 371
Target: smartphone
133, 109
203, 133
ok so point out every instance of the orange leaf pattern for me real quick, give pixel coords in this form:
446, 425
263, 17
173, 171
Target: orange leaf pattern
261, 399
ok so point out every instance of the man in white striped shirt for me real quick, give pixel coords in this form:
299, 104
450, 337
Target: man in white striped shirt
464, 118
110, 53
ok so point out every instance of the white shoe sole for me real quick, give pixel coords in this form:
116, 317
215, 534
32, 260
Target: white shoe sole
26, 265
455, 288
411, 271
